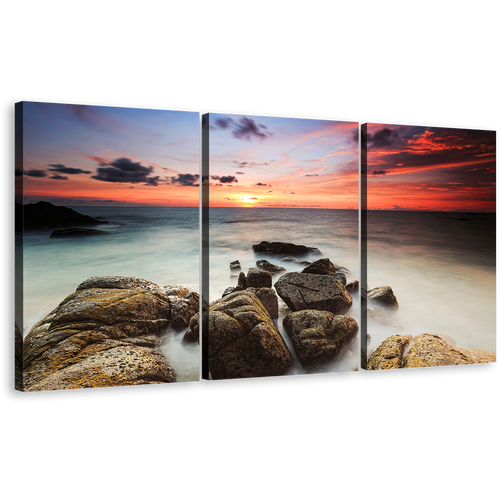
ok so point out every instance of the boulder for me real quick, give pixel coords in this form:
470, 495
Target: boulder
268, 266
229, 290
352, 286
243, 339
313, 291
431, 350
106, 333
268, 299
280, 248
184, 305
382, 296
319, 336
389, 354
257, 278
192, 334
75, 232
321, 266
242, 281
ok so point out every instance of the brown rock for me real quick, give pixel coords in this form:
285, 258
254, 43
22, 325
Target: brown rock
268, 266
482, 356
431, 350
268, 298
382, 296
319, 336
313, 291
243, 340
321, 266
257, 278
389, 354
106, 333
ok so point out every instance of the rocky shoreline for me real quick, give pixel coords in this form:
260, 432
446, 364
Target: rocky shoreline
111, 330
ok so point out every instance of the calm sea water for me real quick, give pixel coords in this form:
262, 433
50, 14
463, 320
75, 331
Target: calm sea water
441, 269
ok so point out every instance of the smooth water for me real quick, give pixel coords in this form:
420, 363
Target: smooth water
441, 269
159, 244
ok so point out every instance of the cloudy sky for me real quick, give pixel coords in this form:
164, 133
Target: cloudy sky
258, 161
430, 168
96, 155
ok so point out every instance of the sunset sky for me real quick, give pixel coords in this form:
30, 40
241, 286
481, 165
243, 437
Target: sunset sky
430, 168
258, 161
96, 155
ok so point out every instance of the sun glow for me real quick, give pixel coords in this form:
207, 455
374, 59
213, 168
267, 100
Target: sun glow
247, 201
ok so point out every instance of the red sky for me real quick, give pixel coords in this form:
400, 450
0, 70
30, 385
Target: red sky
430, 168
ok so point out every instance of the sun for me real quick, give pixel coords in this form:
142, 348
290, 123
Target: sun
247, 201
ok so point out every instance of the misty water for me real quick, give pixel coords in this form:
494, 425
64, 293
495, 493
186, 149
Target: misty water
442, 269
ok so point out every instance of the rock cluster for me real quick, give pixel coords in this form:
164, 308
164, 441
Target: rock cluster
243, 339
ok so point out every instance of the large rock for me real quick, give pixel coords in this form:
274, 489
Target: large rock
107, 333
319, 336
432, 350
243, 339
280, 248
313, 291
257, 278
389, 354
45, 215
382, 296
192, 334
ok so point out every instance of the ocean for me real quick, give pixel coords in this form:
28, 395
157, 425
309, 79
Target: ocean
442, 269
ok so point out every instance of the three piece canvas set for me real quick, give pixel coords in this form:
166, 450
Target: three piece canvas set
297, 277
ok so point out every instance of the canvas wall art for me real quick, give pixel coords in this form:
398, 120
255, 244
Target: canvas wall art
108, 234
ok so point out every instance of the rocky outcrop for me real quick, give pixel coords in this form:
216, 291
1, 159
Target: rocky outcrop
45, 215
313, 291
431, 350
424, 350
319, 336
382, 296
296, 261
75, 232
280, 248
390, 353
192, 334
244, 341
106, 333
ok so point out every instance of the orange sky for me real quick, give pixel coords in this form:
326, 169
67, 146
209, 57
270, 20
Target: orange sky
430, 168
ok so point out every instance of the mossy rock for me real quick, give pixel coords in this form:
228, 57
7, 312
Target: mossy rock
389, 354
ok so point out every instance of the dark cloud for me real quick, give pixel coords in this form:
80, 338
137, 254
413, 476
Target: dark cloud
269, 191
35, 173
260, 184
241, 173
63, 169
124, 170
379, 172
225, 179
58, 177
186, 180
244, 128
383, 138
